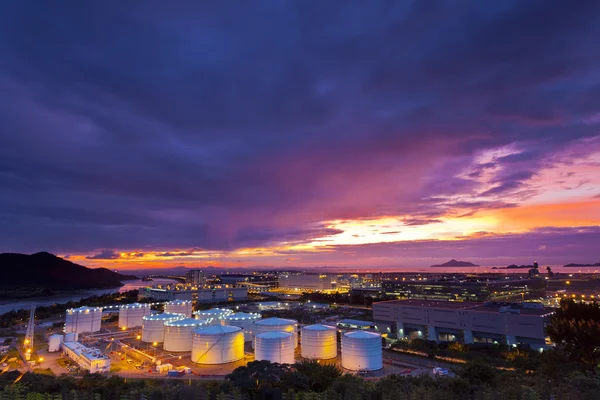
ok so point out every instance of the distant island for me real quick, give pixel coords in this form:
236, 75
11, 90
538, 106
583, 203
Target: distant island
514, 266
455, 263
42, 273
582, 265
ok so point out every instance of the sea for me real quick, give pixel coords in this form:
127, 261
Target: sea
76, 295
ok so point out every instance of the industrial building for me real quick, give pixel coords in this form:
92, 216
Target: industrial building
306, 282
87, 358
216, 294
466, 290
467, 322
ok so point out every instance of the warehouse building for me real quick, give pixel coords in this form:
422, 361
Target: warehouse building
467, 322
464, 290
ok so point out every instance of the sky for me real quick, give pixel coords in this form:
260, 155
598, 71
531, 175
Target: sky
380, 134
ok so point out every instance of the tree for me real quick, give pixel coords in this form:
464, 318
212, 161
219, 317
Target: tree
320, 377
575, 329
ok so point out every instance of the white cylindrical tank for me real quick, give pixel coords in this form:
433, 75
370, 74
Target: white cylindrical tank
153, 326
179, 307
242, 320
362, 351
275, 346
214, 314
130, 315
83, 319
178, 333
54, 343
277, 324
217, 344
319, 342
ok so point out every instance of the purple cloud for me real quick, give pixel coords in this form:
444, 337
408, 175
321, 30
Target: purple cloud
221, 128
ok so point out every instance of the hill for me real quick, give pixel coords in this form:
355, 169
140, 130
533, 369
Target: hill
455, 263
47, 271
582, 265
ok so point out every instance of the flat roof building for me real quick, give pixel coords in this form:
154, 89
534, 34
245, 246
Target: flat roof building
87, 358
467, 322
466, 290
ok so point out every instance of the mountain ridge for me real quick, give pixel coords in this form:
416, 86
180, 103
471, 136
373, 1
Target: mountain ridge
44, 270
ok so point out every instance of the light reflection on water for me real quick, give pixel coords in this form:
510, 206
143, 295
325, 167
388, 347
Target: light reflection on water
9, 305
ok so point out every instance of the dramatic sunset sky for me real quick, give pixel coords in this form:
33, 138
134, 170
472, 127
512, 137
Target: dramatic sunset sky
367, 134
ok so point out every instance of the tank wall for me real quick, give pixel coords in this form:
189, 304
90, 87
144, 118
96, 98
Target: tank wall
362, 353
79, 322
178, 338
133, 317
217, 349
280, 350
179, 308
319, 344
153, 331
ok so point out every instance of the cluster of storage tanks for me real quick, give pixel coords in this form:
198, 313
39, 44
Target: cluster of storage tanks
218, 335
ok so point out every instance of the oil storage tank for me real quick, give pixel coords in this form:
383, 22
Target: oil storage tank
275, 346
277, 324
217, 344
153, 326
362, 350
178, 333
242, 320
214, 314
179, 307
319, 342
83, 319
54, 343
130, 315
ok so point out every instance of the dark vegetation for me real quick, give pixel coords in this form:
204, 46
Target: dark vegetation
261, 380
42, 273
13, 318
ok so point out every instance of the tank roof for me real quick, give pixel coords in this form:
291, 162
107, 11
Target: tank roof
362, 335
275, 335
84, 309
179, 301
274, 321
213, 311
216, 330
135, 305
187, 322
164, 316
319, 327
241, 316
